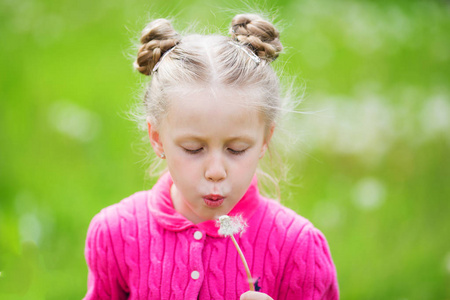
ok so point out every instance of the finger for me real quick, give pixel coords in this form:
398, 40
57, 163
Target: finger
254, 296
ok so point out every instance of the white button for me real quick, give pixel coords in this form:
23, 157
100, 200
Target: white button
195, 275
198, 235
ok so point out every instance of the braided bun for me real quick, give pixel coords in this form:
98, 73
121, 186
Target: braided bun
157, 38
258, 34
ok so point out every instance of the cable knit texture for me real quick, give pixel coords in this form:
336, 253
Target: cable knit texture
141, 248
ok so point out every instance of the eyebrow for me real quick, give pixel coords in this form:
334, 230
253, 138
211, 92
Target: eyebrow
244, 138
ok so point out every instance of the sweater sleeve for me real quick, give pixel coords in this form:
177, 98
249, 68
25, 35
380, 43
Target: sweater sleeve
310, 272
104, 278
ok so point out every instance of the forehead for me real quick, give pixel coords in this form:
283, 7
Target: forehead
213, 111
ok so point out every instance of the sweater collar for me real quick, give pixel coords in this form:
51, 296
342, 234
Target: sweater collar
161, 207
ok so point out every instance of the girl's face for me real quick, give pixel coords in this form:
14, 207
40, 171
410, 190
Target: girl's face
212, 143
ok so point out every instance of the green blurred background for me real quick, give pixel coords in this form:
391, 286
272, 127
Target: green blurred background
370, 167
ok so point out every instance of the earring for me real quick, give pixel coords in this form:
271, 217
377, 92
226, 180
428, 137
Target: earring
163, 155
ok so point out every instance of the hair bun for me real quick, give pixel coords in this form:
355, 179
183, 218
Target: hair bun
157, 38
258, 34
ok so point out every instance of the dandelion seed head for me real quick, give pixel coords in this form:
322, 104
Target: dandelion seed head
231, 225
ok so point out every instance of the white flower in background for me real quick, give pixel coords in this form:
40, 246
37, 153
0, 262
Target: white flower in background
369, 193
30, 228
435, 116
74, 121
363, 128
447, 263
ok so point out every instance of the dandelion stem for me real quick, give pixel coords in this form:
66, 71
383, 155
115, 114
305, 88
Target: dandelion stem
247, 270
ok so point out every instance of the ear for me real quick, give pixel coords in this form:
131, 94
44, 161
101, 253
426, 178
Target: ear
267, 139
155, 139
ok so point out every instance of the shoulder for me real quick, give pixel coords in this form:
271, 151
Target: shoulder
116, 218
309, 266
285, 220
281, 228
114, 229
292, 243
108, 241
307, 239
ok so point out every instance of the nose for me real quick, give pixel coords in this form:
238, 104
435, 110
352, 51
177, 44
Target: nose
215, 169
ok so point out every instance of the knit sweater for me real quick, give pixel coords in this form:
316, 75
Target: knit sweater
141, 248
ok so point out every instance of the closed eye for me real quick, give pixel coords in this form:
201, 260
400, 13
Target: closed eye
193, 151
236, 152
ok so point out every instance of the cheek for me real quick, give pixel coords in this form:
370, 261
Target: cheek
183, 167
246, 166
177, 164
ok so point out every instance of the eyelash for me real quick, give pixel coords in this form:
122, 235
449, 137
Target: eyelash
196, 151
236, 152
189, 151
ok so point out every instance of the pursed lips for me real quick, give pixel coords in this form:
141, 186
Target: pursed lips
213, 200
213, 197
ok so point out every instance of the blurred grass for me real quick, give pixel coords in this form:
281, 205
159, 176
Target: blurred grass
371, 170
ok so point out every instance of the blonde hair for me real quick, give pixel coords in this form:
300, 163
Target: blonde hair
210, 60
241, 61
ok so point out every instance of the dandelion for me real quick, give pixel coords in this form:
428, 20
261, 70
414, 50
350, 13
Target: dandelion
229, 226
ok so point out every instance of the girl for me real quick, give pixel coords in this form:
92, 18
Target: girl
211, 110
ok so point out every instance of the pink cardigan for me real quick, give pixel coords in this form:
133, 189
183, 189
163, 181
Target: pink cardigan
141, 248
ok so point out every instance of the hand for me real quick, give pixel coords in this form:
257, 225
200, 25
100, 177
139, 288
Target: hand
255, 296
